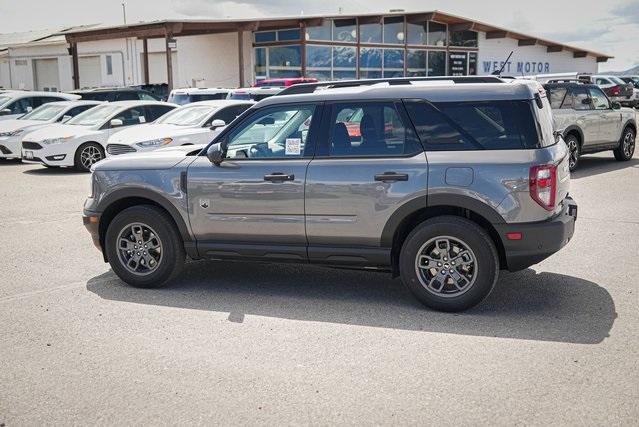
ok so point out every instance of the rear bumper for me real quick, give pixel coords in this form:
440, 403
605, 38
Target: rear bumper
539, 240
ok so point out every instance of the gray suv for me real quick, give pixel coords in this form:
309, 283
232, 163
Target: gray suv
589, 122
443, 185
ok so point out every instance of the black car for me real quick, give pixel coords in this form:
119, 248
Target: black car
116, 94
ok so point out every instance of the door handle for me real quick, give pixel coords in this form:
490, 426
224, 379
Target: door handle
391, 176
278, 177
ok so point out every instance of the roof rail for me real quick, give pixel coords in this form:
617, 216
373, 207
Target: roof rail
303, 88
566, 81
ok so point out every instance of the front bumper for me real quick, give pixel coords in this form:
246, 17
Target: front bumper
91, 221
539, 240
50, 155
10, 147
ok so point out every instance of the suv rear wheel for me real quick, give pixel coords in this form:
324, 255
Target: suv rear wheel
626, 148
144, 247
449, 263
573, 149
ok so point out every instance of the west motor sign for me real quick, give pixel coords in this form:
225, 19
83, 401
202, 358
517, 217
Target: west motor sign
516, 67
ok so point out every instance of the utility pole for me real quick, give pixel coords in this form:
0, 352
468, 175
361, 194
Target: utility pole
124, 11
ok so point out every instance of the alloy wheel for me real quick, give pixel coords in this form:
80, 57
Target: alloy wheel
573, 149
139, 249
90, 155
446, 266
628, 145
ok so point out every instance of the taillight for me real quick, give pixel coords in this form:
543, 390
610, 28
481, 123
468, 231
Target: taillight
543, 185
615, 90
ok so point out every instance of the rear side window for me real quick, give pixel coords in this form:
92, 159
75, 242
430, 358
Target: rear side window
581, 100
370, 129
493, 125
126, 96
556, 96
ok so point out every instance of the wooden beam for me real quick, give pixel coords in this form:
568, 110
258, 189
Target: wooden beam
527, 42
240, 52
554, 48
496, 34
602, 59
75, 65
579, 54
303, 46
169, 62
314, 22
419, 18
145, 60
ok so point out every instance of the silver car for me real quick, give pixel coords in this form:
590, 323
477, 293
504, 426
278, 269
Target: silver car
442, 184
589, 122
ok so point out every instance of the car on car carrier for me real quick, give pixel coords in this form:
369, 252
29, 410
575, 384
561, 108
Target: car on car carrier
444, 185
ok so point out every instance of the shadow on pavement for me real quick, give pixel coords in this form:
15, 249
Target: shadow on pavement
10, 162
53, 171
524, 305
591, 166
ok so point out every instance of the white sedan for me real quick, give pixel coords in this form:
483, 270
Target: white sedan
195, 123
15, 103
12, 131
80, 142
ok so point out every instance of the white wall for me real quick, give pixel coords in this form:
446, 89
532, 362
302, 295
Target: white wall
212, 60
4, 73
528, 59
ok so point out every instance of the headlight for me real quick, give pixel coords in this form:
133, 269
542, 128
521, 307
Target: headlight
12, 133
52, 141
155, 142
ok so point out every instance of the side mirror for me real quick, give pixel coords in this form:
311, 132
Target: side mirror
586, 101
65, 119
215, 154
217, 123
615, 105
5, 112
116, 123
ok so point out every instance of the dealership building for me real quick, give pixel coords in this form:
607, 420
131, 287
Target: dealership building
238, 52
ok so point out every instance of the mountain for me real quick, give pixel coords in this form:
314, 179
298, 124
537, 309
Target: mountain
629, 72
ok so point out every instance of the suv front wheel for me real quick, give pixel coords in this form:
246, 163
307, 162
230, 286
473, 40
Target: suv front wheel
144, 247
449, 263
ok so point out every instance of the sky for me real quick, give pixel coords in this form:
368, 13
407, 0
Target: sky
606, 26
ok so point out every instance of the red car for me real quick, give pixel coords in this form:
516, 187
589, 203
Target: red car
284, 82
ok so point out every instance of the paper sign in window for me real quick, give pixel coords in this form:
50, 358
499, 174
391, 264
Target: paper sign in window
293, 146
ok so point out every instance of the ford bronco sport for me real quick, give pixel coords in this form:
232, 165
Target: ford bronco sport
443, 184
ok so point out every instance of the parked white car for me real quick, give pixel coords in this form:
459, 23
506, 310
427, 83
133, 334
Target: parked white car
196, 94
81, 141
15, 103
12, 131
255, 93
195, 123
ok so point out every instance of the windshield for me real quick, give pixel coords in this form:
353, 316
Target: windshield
617, 80
94, 116
187, 116
3, 100
44, 113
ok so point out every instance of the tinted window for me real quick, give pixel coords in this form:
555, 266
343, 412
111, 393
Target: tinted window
369, 129
556, 96
77, 110
278, 132
20, 106
580, 100
602, 81
41, 100
147, 97
229, 114
132, 116
495, 125
98, 96
126, 96
208, 97
599, 100
153, 112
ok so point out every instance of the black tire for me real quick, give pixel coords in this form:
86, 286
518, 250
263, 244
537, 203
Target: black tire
98, 154
574, 151
171, 260
485, 268
626, 148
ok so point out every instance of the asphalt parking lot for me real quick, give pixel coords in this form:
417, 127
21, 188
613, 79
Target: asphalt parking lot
281, 344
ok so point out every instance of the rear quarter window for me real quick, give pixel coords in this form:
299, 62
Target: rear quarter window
492, 125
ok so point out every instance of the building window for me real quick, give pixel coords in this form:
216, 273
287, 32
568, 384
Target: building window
393, 63
370, 63
321, 32
463, 38
370, 33
436, 63
344, 63
417, 33
416, 63
394, 30
109, 65
331, 63
274, 36
436, 34
260, 63
344, 30
278, 62
472, 64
